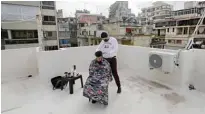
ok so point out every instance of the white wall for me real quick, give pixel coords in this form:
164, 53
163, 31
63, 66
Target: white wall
54, 63
19, 25
18, 63
22, 62
17, 46
49, 27
196, 73
137, 59
190, 71
48, 12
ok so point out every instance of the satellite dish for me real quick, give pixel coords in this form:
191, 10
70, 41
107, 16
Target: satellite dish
155, 61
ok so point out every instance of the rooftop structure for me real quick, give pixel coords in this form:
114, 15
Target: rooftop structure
144, 91
119, 10
60, 13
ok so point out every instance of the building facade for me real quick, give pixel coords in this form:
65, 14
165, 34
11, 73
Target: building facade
190, 4
180, 27
63, 32
18, 22
119, 10
158, 11
73, 28
47, 26
67, 32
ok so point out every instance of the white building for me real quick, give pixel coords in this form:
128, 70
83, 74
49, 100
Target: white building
60, 13
47, 26
118, 10
190, 4
158, 11
18, 20
180, 27
63, 32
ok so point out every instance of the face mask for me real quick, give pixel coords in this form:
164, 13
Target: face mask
106, 40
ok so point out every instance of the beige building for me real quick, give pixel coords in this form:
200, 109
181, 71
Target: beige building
29, 23
47, 26
180, 27
18, 21
90, 35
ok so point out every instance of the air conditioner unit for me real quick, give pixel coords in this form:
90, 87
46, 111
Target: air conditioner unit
164, 61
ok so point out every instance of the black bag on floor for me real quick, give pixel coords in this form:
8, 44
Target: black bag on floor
59, 82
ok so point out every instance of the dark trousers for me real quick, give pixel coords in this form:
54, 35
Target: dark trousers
113, 65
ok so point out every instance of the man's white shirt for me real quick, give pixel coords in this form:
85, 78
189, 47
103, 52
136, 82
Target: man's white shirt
109, 48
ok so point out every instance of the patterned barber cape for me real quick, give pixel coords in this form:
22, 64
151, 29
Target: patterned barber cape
96, 85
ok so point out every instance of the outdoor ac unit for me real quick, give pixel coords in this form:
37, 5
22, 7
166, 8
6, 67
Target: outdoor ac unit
163, 61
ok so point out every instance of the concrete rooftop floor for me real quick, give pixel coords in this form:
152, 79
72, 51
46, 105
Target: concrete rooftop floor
139, 96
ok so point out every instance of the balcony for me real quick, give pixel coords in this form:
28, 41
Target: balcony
48, 5
144, 91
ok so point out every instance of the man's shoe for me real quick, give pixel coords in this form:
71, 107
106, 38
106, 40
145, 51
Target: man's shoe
119, 90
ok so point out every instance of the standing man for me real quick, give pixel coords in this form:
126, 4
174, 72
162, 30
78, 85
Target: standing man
109, 48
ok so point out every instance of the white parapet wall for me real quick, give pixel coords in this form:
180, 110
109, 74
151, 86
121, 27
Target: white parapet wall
47, 64
137, 59
16, 63
55, 63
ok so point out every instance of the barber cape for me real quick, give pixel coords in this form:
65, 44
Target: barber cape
96, 85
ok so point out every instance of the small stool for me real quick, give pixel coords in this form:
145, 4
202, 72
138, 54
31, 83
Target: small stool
71, 81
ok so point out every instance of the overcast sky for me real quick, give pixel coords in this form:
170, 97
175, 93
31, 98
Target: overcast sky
102, 6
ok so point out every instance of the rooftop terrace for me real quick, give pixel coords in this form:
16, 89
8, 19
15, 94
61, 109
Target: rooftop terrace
144, 91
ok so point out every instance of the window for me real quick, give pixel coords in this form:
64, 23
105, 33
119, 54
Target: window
48, 18
179, 41
49, 34
4, 34
167, 29
24, 34
169, 41
48, 3
185, 30
172, 29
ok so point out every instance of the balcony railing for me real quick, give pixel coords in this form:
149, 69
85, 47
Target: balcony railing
49, 23
48, 7
21, 41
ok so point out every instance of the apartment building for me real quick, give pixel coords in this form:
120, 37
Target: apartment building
157, 12
67, 32
190, 4
180, 26
88, 25
63, 32
119, 10
73, 28
47, 26
90, 34
18, 23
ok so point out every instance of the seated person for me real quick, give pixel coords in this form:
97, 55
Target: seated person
96, 85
